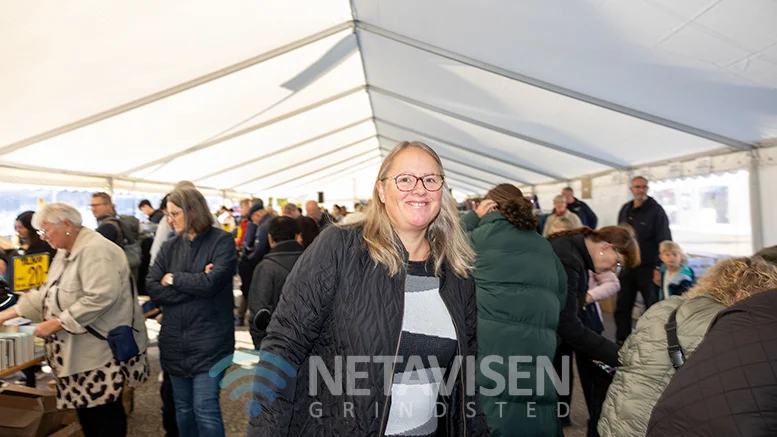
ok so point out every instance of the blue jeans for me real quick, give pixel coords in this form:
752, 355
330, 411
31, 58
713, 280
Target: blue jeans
197, 408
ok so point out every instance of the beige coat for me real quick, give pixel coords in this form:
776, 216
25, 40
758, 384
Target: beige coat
576, 223
94, 290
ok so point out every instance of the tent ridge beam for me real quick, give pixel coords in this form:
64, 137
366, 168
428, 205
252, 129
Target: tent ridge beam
307, 161
352, 4
284, 149
556, 89
455, 161
494, 128
467, 149
318, 170
159, 95
249, 129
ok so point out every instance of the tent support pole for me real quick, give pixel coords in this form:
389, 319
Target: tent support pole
756, 219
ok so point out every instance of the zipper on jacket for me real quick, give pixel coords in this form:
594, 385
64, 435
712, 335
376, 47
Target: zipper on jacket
461, 365
396, 354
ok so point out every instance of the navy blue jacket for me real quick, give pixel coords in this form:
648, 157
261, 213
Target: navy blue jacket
586, 214
651, 225
198, 327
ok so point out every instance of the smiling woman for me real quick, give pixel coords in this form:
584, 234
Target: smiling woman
396, 284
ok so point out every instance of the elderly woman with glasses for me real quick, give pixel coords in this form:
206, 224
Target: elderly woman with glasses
387, 307
87, 295
580, 251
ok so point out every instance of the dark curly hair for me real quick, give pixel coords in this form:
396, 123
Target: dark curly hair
514, 206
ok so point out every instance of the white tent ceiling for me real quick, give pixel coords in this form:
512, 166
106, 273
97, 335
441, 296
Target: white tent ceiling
264, 96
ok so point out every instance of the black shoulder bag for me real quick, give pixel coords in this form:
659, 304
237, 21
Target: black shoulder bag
676, 354
121, 339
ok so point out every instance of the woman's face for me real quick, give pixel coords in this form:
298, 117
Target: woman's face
175, 217
607, 258
22, 232
413, 210
55, 235
560, 206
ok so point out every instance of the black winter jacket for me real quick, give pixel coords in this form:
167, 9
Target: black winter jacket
586, 214
337, 303
728, 387
651, 226
573, 253
267, 283
198, 326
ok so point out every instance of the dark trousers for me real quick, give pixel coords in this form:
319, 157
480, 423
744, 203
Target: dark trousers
107, 420
29, 374
168, 407
638, 279
595, 383
563, 350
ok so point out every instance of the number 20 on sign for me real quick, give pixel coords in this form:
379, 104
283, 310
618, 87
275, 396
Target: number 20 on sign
30, 271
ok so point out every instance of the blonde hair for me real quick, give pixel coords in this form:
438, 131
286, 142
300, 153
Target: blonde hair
446, 238
671, 246
734, 279
561, 224
56, 213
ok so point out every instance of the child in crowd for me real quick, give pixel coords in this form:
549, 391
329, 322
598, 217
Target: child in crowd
676, 276
285, 236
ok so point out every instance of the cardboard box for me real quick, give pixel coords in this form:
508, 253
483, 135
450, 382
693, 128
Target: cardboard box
72, 430
28, 412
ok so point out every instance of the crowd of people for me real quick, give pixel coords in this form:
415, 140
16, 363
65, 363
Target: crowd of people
405, 275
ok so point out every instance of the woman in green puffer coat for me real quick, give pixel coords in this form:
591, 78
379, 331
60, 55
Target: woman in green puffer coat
646, 368
521, 287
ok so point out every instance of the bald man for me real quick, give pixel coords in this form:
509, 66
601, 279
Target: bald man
321, 218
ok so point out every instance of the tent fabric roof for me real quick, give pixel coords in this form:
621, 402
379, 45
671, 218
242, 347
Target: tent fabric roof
266, 96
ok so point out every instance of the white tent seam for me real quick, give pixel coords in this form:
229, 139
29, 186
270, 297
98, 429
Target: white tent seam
159, 95
420, 45
494, 128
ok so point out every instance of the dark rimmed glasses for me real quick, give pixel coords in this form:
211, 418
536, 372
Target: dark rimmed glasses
408, 182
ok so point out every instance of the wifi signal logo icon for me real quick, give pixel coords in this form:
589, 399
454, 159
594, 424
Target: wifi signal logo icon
253, 408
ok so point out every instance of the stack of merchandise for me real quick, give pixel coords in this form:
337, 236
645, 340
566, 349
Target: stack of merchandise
18, 344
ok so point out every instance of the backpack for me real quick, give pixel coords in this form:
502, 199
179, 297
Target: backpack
129, 234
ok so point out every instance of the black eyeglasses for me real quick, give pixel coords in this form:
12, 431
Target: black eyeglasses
408, 182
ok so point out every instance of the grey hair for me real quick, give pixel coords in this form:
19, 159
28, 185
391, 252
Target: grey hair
560, 198
56, 213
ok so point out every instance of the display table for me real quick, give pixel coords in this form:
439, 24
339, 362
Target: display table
11, 370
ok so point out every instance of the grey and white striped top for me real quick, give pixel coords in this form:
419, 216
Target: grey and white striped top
427, 347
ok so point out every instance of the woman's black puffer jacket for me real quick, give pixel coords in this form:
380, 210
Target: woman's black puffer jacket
338, 303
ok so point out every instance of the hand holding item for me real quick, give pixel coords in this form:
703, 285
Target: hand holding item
208, 268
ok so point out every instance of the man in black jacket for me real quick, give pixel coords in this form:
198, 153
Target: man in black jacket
255, 246
285, 238
651, 225
154, 215
580, 208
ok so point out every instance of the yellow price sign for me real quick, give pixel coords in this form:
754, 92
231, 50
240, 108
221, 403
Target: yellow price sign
30, 271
